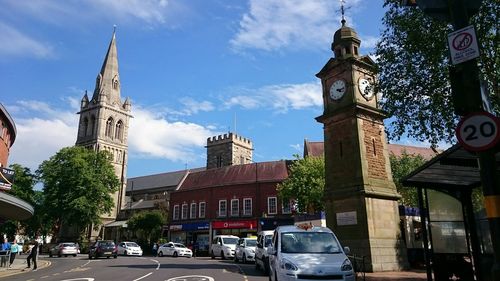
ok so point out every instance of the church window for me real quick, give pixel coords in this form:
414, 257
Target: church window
356, 50
109, 127
347, 50
92, 125
85, 126
219, 161
374, 150
115, 84
119, 130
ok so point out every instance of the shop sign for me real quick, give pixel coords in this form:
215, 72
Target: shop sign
6, 178
250, 224
196, 226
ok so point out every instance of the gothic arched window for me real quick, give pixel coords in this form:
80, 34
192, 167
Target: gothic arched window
85, 126
109, 127
119, 130
92, 125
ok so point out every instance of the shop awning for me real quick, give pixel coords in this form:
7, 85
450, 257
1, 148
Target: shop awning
117, 224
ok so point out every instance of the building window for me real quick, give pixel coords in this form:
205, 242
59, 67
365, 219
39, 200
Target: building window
286, 207
219, 161
247, 206
192, 214
176, 213
85, 127
222, 208
184, 214
235, 207
109, 127
119, 130
202, 209
92, 125
271, 205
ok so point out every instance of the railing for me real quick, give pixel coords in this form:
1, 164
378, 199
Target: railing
358, 264
5, 255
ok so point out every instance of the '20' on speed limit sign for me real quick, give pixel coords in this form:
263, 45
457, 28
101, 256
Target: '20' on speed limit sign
478, 131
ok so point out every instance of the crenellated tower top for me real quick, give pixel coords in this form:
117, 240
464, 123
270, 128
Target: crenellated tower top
228, 149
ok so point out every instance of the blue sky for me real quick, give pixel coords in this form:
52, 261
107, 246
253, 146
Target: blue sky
192, 68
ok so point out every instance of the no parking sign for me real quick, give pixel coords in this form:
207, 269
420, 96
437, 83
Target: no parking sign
478, 131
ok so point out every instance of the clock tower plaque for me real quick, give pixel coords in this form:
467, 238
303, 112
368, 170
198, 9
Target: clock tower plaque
361, 198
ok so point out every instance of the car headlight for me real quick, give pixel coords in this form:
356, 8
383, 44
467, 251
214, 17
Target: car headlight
288, 265
251, 251
346, 265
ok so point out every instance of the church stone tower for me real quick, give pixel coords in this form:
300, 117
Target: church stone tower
104, 122
228, 149
361, 198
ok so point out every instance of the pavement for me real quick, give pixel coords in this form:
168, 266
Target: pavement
19, 267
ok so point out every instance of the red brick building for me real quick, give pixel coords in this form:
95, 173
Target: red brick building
238, 200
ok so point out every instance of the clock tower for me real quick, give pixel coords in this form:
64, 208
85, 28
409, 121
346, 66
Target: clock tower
361, 198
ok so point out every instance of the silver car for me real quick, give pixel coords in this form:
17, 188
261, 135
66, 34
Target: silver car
129, 249
64, 249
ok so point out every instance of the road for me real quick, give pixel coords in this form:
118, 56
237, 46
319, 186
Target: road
80, 268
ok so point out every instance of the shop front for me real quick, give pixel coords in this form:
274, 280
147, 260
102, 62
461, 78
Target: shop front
240, 228
191, 234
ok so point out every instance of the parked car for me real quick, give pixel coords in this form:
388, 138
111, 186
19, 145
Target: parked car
223, 246
245, 249
174, 250
64, 249
307, 252
264, 239
103, 248
129, 249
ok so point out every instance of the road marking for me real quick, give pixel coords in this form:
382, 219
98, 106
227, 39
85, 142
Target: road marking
191, 278
158, 264
80, 279
143, 276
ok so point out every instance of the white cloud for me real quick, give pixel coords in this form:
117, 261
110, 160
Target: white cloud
279, 97
15, 43
272, 24
151, 135
192, 106
43, 129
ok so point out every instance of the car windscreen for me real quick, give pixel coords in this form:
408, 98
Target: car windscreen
177, 245
309, 242
107, 244
229, 240
69, 245
251, 243
131, 244
268, 240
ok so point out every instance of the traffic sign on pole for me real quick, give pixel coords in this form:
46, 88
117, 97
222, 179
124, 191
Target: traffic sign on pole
479, 131
463, 45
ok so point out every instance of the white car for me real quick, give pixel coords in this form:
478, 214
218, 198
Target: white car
223, 246
307, 252
129, 249
174, 250
264, 239
245, 250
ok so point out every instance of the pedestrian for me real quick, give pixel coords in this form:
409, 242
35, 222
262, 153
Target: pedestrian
14, 249
5, 252
155, 249
33, 256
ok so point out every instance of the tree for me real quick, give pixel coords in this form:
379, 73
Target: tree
78, 184
412, 57
148, 223
305, 184
401, 167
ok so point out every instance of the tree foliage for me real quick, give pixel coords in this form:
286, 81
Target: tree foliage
148, 223
401, 167
305, 184
413, 60
78, 184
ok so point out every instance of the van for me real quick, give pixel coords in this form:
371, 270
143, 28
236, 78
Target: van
264, 239
308, 252
223, 246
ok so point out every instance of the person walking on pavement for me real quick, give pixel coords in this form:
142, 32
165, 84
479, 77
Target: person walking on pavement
155, 249
5, 250
14, 249
33, 256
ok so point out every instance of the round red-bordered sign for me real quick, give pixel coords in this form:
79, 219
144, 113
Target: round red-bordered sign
478, 131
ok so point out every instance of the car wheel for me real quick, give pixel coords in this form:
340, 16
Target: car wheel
160, 254
66, 256
50, 254
74, 255
115, 256
90, 257
244, 259
59, 254
175, 254
212, 255
257, 267
266, 266
235, 258
222, 255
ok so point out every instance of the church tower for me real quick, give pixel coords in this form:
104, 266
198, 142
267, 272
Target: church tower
361, 198
228, 149
104, 122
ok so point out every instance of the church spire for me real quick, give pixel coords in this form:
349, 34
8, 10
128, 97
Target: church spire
108, 80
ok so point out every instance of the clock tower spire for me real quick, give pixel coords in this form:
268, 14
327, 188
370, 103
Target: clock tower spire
361, 198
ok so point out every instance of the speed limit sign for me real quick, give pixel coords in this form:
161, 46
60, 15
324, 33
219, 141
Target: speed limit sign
478, 131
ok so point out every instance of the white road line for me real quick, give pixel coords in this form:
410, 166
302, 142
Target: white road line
143, 276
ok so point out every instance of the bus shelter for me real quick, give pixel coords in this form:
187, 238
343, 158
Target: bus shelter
457, 242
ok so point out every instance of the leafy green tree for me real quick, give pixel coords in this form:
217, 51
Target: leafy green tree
147, 223
401, 167
305, 184
413, 60
78, 184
